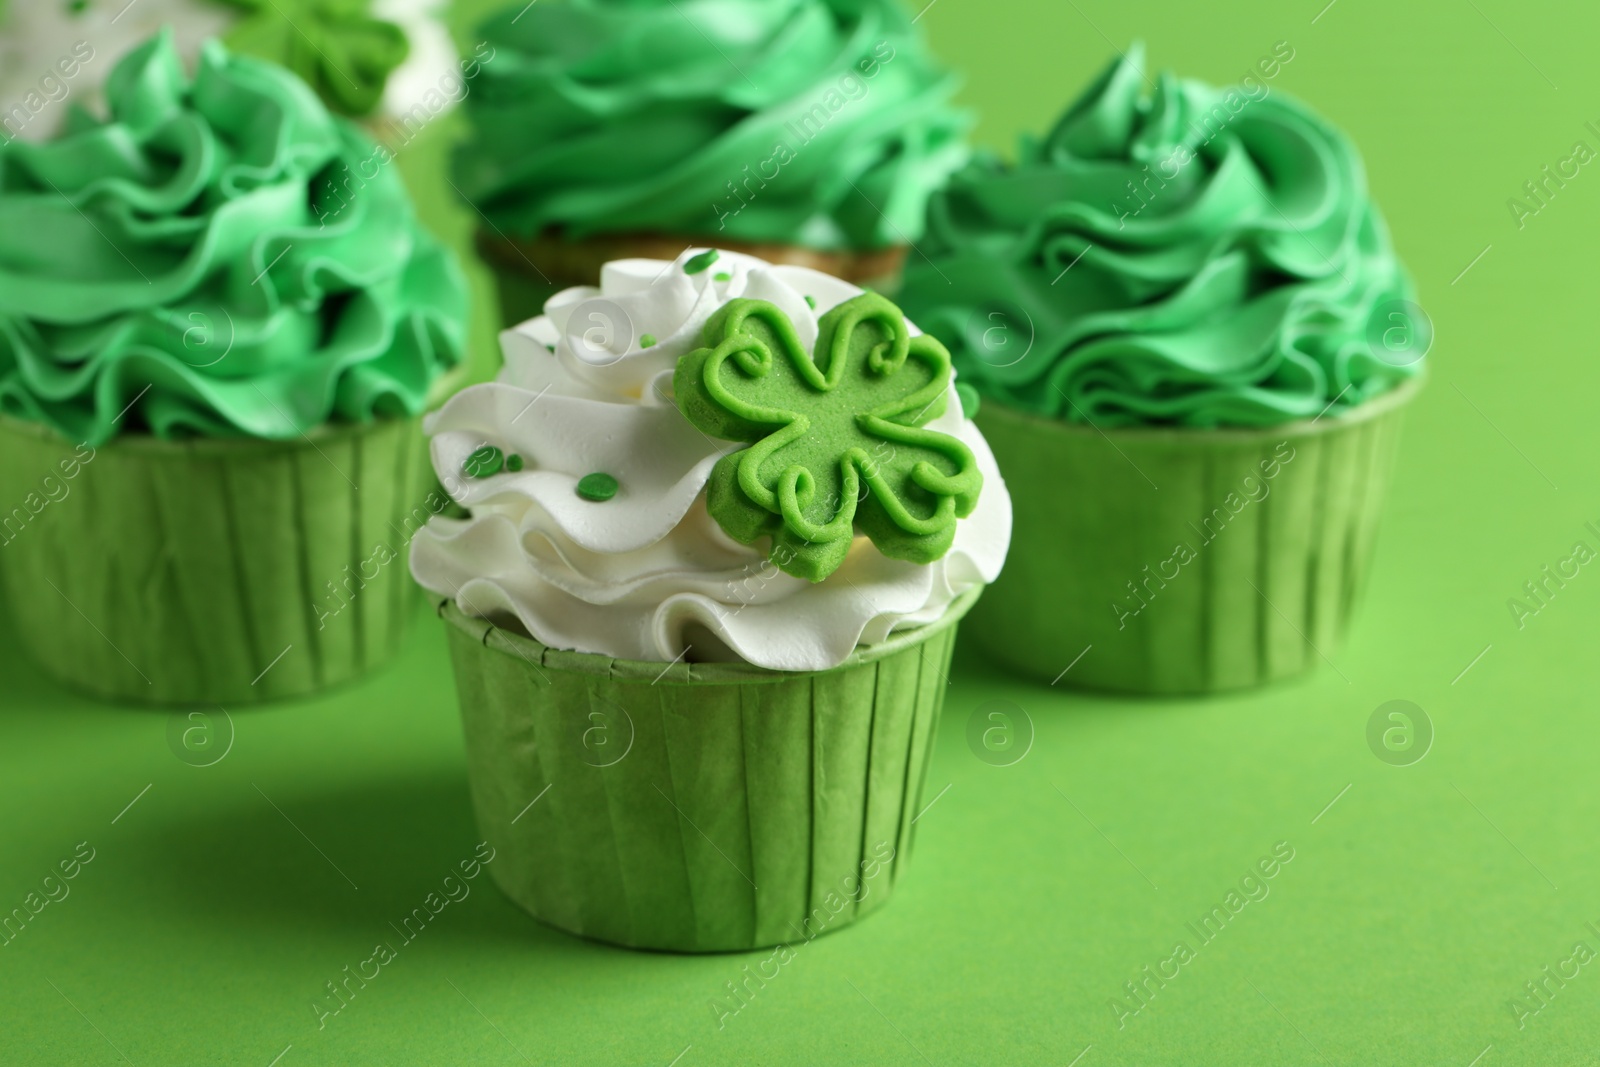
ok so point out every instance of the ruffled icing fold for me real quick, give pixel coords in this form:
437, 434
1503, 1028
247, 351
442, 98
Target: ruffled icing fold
648, 574
1188, 256
822, 123
220, 257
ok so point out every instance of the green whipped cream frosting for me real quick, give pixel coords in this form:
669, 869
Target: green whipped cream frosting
820, 123
220, 257
1190, 256
340, 50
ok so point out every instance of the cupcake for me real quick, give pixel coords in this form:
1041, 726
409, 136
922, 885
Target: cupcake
390, 63
808, 133
215, 346
723, 519
1193, 342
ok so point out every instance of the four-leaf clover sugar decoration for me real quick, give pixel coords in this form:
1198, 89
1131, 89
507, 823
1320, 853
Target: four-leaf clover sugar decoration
838, 437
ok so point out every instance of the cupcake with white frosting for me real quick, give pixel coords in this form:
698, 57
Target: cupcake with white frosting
723, 517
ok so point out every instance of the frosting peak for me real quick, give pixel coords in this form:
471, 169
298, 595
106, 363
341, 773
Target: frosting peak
638, 566
822, 123
1186, 255
220, 257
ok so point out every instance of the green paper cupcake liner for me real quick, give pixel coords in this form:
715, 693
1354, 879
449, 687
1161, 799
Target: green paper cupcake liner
1169, 561
697, 807
211, 571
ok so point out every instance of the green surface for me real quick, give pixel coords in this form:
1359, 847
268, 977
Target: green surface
1414, 909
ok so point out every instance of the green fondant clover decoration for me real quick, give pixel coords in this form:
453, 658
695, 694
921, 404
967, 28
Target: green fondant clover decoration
335, 45
838, 439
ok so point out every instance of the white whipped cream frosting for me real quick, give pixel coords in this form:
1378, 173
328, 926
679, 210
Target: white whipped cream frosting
648, 574
37, 34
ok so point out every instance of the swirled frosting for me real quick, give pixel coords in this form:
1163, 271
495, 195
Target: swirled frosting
647, 573
376, 58
220, 257
820, 123
1190, 256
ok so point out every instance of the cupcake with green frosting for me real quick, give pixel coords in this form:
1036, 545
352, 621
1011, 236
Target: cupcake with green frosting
808, 132
1193, 341
217, 335
389, 63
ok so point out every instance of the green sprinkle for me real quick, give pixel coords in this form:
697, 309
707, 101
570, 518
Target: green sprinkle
484, 463
647, 341
969, 399
514, 463
78, 7
550, 348
699, 263
723, 276
598, 487
811, 302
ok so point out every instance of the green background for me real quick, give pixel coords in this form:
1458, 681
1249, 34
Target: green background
1416, 906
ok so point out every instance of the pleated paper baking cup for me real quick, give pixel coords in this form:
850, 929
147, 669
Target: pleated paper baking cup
1150, 560
211, 571
697, 807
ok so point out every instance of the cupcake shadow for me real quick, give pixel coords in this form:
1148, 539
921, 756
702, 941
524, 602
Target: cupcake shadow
369, 860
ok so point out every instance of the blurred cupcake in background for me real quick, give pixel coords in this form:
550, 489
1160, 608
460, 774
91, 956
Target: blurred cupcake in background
803, 131
1193, 341
388, 63
706, 596
217, 332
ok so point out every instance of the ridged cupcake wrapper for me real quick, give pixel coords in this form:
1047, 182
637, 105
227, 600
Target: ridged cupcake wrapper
211, 571
1129, 550
697, 807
